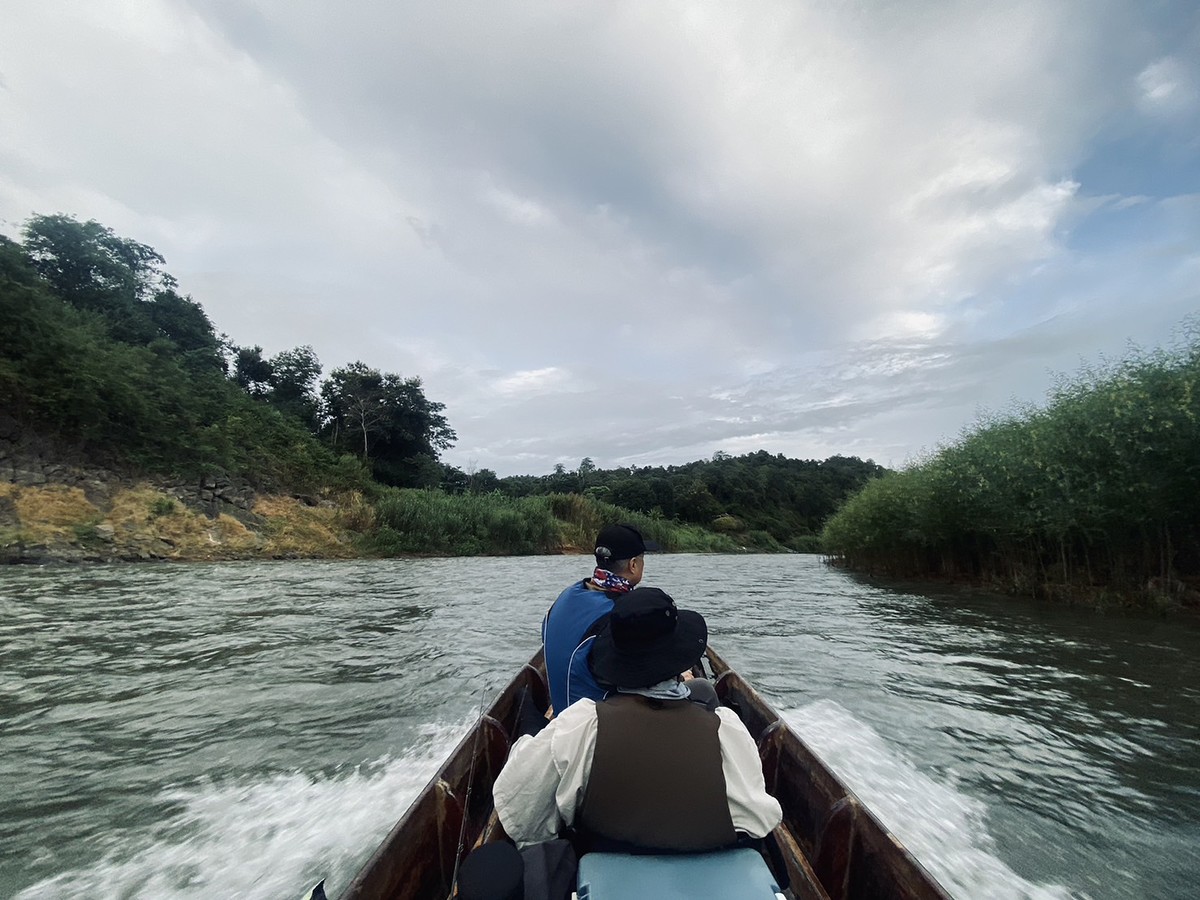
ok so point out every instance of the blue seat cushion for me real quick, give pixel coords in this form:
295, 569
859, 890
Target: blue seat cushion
727, 874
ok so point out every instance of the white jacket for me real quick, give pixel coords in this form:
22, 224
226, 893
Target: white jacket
544, 780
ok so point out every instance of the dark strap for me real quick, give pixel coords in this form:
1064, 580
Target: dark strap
656, 779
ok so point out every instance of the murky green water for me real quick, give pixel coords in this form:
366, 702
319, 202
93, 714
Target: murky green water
246, 729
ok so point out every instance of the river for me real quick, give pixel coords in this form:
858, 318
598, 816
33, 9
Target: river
245, 729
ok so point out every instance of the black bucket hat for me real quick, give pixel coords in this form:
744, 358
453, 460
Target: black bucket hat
647, 639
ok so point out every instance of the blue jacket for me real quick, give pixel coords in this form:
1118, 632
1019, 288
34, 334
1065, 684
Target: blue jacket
568, 645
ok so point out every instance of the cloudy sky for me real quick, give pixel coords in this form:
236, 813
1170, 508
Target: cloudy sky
640, 231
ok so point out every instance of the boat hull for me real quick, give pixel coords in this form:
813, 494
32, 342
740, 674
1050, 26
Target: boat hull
831, 845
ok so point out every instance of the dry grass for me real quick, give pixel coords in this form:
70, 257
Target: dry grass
146, 523
52, 512
294, 529
132, 511
186, 534
356, 513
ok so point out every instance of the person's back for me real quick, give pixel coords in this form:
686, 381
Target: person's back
567, 637
648, 768
568, 629
675, 797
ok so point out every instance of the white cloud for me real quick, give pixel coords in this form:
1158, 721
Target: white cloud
533, 381
722, 204
1168, 86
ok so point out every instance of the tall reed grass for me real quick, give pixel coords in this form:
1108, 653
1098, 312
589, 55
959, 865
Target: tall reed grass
1097, 492
436, 523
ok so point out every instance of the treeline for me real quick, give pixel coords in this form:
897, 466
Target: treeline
102, 353
1098, 492
767, 501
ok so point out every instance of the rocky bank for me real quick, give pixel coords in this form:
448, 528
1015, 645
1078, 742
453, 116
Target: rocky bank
56, 508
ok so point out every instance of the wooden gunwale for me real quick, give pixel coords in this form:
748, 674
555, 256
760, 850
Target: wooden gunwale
830, 844
853, 855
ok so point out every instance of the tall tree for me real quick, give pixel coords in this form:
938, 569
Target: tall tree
388, 421
587, 468
183, 322
293, 380
251, 371
91, 267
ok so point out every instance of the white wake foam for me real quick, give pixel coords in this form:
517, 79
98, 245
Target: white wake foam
944, 829
260, 839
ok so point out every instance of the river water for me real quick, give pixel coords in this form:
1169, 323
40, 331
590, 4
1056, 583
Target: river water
245, 729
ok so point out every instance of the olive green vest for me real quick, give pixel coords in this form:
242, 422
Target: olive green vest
656, 780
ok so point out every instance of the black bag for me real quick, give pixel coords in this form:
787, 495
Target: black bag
545, 871
551, 869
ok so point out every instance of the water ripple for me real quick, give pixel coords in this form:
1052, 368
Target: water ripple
171, 731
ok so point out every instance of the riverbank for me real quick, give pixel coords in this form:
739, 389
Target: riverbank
57, 511
1091, 498
142, 521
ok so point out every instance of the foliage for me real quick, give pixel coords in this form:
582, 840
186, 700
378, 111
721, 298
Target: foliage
422, 521
783, 501
293, 380
162, 506
388, 422
251, 371
102, 353
162, 405
1102, 486
92, 269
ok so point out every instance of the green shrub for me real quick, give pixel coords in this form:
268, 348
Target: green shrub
162, 506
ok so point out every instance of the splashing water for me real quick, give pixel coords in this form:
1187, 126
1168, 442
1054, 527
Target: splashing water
261, 840
942, 827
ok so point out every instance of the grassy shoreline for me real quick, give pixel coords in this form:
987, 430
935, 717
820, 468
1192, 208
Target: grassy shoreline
1092, 498
141, 521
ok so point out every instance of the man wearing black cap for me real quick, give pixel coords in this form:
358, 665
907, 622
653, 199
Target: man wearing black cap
646, 768
568, 628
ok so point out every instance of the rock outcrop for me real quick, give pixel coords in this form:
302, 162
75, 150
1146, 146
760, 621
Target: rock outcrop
56, 506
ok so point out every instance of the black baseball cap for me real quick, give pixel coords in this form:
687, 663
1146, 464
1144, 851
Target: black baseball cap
617, 542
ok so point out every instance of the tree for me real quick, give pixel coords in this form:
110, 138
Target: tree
454, 480
561, 482
484, 482
293, 380
388, 420
697, 504
352, 397
587, 468
183, 322
251, 371
92, 268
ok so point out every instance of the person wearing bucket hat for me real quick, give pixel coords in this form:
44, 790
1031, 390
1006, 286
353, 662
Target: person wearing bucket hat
645, 769
570, 624
647, 640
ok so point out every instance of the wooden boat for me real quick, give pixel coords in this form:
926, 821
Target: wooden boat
832, 846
